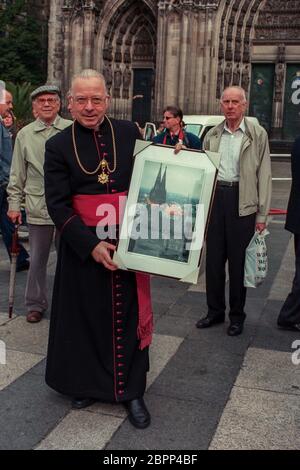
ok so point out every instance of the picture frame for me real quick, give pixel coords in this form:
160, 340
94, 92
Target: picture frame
167, 211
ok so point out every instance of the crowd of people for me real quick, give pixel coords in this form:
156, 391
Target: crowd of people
101, 319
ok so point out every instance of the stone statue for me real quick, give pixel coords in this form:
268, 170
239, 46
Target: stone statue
127, 55
236, 75
220, 79
117, 81
279, 76
281, 53
227, 74
126, 82
108, 75
245, 78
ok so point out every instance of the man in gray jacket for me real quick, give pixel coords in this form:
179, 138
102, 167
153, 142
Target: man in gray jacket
241, 205
27, 176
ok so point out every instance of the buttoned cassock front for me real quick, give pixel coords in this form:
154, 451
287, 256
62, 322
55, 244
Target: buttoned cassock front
94, 349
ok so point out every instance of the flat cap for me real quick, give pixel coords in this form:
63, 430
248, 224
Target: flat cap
41, 90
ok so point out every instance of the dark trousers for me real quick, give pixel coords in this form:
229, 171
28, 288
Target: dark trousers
290, 311
227, 239
7, 229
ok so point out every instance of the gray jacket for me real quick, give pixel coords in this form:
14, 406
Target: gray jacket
255, 179
27, 170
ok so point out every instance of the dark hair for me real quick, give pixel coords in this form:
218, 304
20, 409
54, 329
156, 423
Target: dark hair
175, 111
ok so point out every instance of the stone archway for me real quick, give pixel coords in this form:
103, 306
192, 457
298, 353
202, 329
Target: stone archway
238, 18
127, 43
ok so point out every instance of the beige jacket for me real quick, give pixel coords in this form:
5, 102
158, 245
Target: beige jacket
255, 182
27, 170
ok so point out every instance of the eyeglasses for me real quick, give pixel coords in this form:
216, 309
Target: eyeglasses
166, 118
96, 100
50, 101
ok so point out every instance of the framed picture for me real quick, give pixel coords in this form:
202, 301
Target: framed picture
167, 212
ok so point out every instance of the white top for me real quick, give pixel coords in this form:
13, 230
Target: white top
230, 147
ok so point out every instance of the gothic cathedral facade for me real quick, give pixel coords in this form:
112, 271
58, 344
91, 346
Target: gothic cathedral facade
184, 52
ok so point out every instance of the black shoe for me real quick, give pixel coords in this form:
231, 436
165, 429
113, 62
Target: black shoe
138, 415
290, 326
235, 329
209, 321
23, 267
79, 403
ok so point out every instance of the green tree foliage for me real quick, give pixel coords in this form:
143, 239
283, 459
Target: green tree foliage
22, 102
21, 50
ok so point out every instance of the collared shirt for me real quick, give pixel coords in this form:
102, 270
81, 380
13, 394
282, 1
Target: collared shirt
230, 147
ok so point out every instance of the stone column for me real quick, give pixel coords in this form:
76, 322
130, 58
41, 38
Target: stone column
55, 46
66, 48
160, 60
208, 86
172, 71
197, 109
88, 32
182, 91
192, 65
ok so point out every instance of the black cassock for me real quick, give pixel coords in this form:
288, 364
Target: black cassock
93, 346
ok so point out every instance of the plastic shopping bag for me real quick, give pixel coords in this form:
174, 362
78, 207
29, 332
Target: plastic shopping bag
256, 261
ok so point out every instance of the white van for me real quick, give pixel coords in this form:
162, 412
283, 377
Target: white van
201, 124
197, 124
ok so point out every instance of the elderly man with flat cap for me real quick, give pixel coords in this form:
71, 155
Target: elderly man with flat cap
27, 177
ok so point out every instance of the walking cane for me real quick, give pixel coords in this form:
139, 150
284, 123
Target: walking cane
15, 249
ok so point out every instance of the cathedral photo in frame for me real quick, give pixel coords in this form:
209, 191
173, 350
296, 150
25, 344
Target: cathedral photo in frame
167, 212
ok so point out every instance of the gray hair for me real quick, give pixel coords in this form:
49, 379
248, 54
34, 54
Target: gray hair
2, 92
235, 87
85, 74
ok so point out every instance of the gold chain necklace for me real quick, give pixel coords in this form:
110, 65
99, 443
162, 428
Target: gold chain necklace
103, 177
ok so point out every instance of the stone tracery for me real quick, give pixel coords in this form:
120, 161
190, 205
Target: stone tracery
195, 47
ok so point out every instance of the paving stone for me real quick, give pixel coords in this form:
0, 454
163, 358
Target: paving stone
81, 430
17, 363
29, 410
20, 335
174, 326
175, 424
257, 419
162, 349
268, 335
199, 373
269, 370
4, 318
159, 308
284, 279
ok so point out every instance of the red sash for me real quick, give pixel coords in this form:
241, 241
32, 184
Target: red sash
87, 207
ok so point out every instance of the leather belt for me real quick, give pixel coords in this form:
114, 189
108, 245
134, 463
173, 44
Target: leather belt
228, 183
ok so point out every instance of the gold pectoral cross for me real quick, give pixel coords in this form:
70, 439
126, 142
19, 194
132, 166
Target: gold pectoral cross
103, 178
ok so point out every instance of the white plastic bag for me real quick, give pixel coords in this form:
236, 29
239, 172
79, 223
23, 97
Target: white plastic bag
256, 261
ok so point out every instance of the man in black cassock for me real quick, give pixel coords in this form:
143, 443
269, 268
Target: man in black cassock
101, 319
